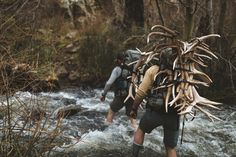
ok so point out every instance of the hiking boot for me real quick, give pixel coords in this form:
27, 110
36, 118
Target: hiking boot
136, 149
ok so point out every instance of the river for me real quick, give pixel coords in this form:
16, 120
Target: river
90, 137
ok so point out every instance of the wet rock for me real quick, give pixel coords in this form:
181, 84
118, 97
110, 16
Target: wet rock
66, 111
67, 101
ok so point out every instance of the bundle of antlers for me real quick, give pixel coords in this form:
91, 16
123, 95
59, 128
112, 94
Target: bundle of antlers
180, 81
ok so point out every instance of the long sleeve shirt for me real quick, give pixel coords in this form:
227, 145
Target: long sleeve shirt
147, 82
116, 72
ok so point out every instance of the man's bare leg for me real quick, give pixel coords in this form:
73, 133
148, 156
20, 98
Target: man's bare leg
171, 152
133, 123
110, 116
138, 142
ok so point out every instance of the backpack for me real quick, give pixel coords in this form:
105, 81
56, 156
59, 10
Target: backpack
156, 97
123, 82
131, 56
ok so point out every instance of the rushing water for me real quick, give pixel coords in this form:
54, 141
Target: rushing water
90, 137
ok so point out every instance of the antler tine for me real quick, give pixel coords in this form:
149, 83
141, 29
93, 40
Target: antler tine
130, 93
197, 72
158, 33
168, 94
202, 55
201, 100
200, 39
150, 56
198, 61
134, 62
160, 72
209, 105
205, 45
142, 53
163, 47
207, 51
175, 63
188, 46
196, 82
208, 36
174, 33
209, 115
187, 110
175, 99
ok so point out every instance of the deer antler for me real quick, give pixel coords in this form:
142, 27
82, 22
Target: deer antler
172, 32
180, 81
158, 33
130, 93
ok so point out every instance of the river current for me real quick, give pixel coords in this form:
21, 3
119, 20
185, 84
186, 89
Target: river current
89, 136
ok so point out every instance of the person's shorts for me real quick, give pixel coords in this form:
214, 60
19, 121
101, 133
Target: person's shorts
118, 103
170, 122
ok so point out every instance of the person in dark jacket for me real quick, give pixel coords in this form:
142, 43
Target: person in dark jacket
118, 77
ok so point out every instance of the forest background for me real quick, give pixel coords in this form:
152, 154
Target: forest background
47, 45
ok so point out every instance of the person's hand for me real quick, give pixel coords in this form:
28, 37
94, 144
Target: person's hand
133, 113
102, 98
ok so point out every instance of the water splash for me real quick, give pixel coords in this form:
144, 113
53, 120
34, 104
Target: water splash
89, 136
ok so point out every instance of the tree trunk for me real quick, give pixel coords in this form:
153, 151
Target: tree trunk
159, 12
233, 27
189, 20
223, 6
134, 13
210, 13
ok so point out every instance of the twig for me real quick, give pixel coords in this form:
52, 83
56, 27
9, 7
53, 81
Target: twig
231, 77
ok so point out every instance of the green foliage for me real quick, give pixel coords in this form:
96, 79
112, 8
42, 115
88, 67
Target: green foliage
98, 47
96, 54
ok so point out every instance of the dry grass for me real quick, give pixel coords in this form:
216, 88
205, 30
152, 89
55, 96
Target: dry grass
25, 128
